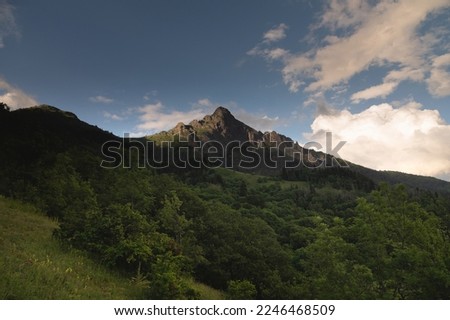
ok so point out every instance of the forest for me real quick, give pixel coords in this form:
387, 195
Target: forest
315, 234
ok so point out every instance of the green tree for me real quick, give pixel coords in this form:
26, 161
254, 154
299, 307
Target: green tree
403, 245
167, 281
243, 189
239, 248
329, 270
241, 290
60, 190
172, 219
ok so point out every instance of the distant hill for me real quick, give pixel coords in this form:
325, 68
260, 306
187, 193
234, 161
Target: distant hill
410, 180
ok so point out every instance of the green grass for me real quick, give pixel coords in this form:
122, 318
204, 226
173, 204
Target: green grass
206, 292
33, 265
158, 138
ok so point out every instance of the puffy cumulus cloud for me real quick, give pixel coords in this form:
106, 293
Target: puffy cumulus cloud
408, 138
14, 97
8, 26
276, 33
155, 117
358, 34
101, 99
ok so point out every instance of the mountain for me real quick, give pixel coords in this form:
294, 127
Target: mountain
223, 127
47, 127
31, 138
30, 135
220, 126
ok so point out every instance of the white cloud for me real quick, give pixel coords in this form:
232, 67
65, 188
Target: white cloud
101, 99
205, 102
277, 53
341, 14
8, 26
405, 74
112, 116
258, 121
381, 90
154, 117
295, 70
137, 134
14, 97
408, 138
276, 33
271, 54
356, 35
387, 36
390, 83
273, 35
439, 81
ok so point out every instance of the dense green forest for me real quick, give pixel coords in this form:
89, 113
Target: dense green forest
319, 234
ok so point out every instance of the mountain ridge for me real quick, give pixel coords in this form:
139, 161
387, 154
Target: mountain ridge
223, 126
51, 127
219, 127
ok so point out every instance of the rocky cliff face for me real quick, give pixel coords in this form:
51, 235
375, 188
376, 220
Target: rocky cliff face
223, 127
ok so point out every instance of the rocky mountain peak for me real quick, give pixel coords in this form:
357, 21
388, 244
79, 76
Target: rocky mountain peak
221, 119
222, 126
223, 113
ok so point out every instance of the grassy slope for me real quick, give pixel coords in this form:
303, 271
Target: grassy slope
34, 266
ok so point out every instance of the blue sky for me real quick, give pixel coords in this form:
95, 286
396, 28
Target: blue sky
375, 73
